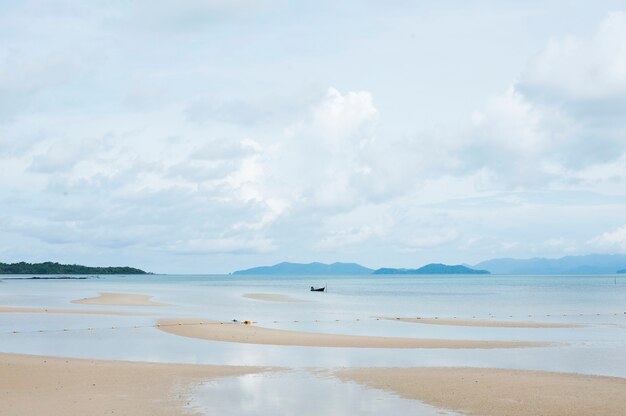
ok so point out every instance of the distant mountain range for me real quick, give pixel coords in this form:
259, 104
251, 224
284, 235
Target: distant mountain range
56, 268
589, 264
433, 268
308, 269
321, 269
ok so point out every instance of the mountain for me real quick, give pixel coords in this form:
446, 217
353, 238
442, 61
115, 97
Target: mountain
622, 271
433, 268
56, 268
307, 269
589, 264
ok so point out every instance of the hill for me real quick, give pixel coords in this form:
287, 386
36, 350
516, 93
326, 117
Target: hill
309, 269
433, 268
56, 268
589, 264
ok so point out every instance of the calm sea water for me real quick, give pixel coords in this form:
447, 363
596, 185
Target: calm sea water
350, 306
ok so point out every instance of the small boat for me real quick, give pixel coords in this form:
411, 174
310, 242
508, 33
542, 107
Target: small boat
318, 289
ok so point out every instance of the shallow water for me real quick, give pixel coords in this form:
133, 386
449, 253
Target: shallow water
350, 307
301, 393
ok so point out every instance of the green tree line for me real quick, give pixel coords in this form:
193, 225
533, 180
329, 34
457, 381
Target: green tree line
56, 268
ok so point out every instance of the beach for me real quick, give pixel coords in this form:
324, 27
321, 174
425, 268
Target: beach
76, 387
480, 323
498, 392
36, 385
119, 299
253, 334
250, 345
273, 297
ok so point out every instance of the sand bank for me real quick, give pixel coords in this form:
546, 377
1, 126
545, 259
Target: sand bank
119, 299
252, 334
500, 392
34, 386
273, 297
476, 322
68, 311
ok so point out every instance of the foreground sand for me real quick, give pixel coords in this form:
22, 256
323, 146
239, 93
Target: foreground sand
273, 297
494, 392
68, 311
472, 322
120, 299
46, 386
252, 334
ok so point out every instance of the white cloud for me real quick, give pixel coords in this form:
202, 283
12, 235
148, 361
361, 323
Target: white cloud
341, 116
236, 245
429, 239
614, 241
321, 160
578, 68
563, 117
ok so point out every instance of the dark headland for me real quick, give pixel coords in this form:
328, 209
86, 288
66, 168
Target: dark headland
56, 268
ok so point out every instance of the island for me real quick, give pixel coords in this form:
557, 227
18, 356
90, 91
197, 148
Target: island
56, 268
433, 268
621, 271
351, 269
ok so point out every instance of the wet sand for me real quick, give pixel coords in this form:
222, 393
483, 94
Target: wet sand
274, 297
69, 311
496, 392
46, 386
482, 323
252, 334
119, 299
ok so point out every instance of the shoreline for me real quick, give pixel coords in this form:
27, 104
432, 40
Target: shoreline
119, 299
481, 323
274, 297
69, 311
51, 386
251, 334
498, 392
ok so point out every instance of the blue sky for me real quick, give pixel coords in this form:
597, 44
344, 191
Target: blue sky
207, 136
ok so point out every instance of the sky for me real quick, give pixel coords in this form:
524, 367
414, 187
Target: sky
211, 136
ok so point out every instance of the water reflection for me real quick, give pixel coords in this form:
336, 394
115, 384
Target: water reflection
300, 393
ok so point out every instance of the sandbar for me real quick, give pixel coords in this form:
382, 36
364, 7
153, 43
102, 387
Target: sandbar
47, 386
68, 311
273, 297
482, 323
252, 334
497, 392
120, 299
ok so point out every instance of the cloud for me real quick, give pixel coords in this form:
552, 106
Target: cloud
517, 139
582, 69
232, 245
614, 240
562, 118
429, 239
341, 116
321, 159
